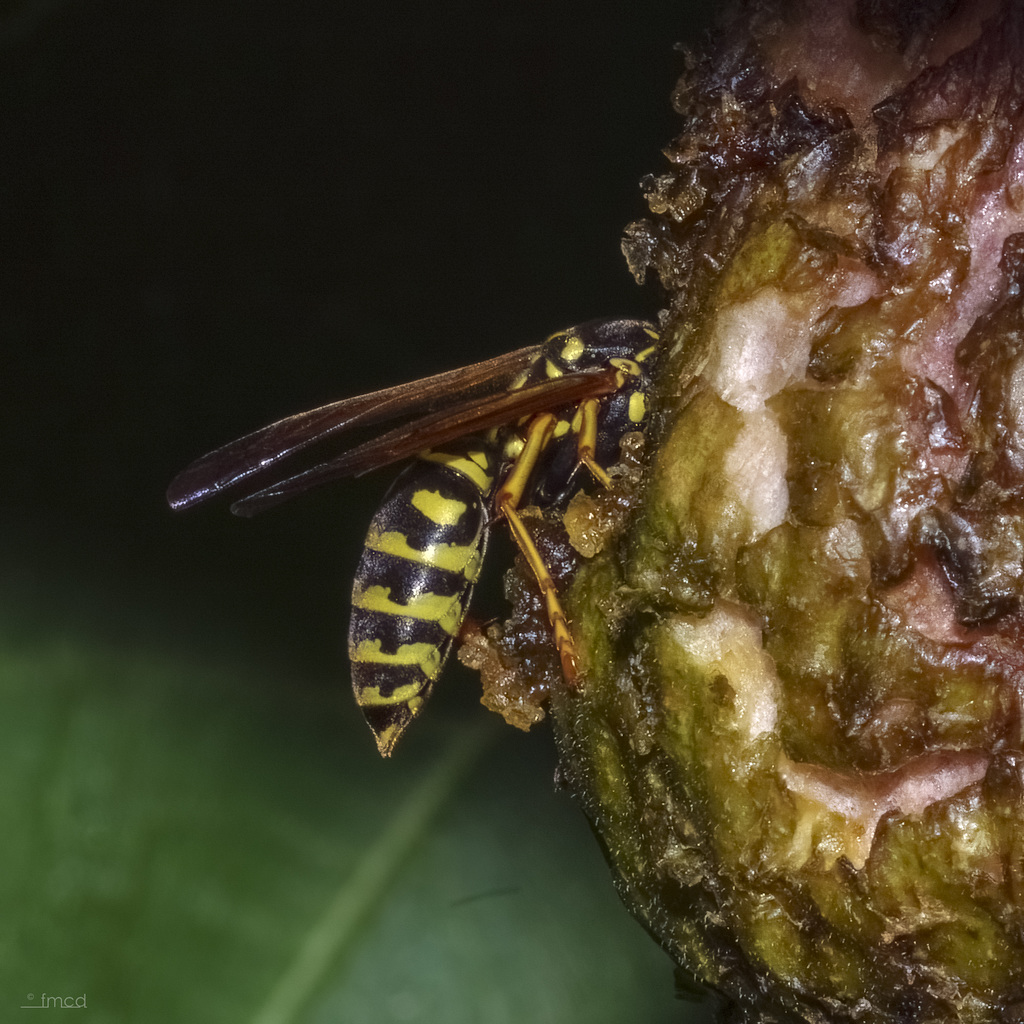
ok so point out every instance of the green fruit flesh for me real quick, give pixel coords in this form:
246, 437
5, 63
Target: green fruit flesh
800, 737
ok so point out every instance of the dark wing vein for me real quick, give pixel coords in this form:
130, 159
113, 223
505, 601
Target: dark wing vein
257, 452
464, 418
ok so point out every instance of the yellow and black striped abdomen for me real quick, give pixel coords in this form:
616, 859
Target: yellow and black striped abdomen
422, 556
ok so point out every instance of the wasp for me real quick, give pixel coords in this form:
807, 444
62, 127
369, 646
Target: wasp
525, 428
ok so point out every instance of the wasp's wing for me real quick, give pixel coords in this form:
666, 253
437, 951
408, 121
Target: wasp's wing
467, 417
264, 448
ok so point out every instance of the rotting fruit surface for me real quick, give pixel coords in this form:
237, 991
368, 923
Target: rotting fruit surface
800, 733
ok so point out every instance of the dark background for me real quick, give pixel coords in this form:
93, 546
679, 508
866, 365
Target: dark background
212, 214
216, 213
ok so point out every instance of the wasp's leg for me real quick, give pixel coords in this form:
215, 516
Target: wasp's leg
585, 426
507, 499
564, 642
539, 432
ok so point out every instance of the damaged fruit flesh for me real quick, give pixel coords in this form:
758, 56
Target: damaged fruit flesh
800, 737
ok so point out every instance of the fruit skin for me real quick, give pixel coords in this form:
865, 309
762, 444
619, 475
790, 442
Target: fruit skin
800, 738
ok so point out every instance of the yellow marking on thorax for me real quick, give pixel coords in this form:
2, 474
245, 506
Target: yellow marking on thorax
513, 446
646, 353
463, 558
637, 406
573, 348
445, 611
561, 428
425, 657
626, 365
473, 466
552, 369
437, 508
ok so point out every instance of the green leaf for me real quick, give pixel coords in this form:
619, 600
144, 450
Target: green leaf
189, 839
